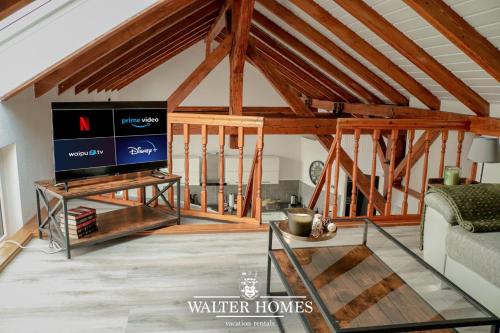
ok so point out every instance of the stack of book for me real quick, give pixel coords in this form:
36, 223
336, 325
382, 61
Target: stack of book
81, 222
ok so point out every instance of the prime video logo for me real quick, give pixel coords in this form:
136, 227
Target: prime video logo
140, 122
139, 150
91, 152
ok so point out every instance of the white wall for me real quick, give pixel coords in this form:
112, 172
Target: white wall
48, 36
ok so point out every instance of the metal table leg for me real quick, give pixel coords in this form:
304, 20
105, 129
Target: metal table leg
178, 203
66, 228
38, 214
269, 248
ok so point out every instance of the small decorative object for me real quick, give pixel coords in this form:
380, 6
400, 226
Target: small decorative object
315, 171
451, 175
300, 221
484, 150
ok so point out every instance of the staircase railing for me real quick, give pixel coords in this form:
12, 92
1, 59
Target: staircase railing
384, 135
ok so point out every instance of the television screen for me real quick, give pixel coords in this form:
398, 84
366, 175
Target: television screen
94, 139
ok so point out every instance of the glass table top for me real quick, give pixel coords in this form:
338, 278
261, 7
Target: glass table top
380, 283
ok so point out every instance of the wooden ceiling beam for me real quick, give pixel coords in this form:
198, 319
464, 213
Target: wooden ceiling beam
281, 87
140, 53
106, 43
335, 51
167, 49
218, 25
200, 72
460, 33
367, 51
319, 76
299, 75
150, 64
9, 7
240, 20
317, 59
98, 63
408, 48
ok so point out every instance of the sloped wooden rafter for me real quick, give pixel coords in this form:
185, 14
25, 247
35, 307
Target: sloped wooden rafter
218, 25
420, 58
99, 62
104, 44
200, 72
311, 70
299, 74
460, 33
279, 85
141, 52
335, 51
141, 67
367, 51
314, 57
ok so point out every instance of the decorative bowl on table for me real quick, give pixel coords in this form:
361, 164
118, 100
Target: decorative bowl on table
288, 236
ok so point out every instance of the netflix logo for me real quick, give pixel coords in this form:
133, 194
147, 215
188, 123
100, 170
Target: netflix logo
84, 124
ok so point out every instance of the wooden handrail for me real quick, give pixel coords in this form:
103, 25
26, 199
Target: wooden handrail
215, 120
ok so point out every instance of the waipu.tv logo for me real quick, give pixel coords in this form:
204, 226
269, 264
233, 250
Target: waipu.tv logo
250, 308
91, 152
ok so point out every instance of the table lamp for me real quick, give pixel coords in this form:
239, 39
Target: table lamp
484, 150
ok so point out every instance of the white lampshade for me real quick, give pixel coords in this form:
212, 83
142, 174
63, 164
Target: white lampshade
484, 150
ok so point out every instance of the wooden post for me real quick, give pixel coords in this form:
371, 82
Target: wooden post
357, 133
221, 170
411, 137
460, 139
392, 163
473, 172
258, 199
170, 139
427, 146
328, 181
125, 195
187, 197
204, 141
444, 139
338, 135
241, 142
375, 140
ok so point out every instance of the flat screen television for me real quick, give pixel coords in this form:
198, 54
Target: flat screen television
106, 138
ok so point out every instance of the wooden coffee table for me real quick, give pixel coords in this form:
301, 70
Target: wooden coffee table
364, 280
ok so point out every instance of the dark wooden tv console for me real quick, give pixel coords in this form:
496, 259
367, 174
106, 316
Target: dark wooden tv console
111, 225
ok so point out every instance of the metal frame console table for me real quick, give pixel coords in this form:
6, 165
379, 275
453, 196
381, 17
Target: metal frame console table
113, 224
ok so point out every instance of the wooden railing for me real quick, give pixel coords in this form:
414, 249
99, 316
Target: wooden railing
219, 126
396, 167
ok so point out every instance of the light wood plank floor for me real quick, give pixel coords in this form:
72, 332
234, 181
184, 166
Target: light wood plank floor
138, 284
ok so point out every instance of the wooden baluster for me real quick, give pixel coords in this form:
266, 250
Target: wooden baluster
221, 170
125, 195
427, 146
411, 137
375, 139
170, 140
187, 197
328, 181
204, 141
354, 201
258, 199
388, 204
338, 135
239, 198
444, 139
460, 139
